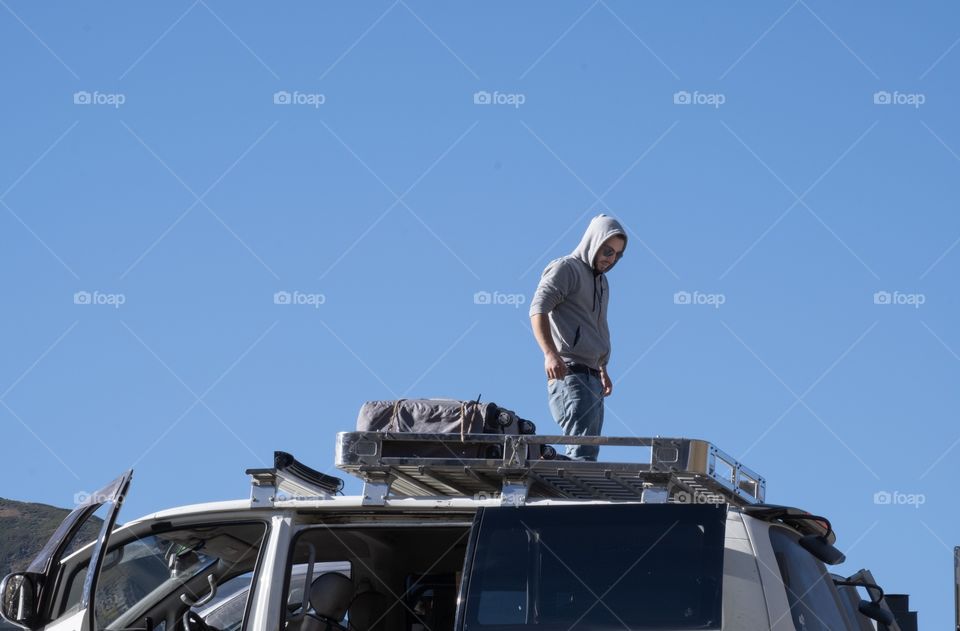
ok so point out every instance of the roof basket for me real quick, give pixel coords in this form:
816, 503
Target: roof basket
677, 470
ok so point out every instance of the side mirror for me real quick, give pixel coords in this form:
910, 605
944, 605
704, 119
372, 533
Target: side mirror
818, 546
872, 608
875, 612
18, 599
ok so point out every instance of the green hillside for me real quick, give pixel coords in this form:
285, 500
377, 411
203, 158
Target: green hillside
25, 527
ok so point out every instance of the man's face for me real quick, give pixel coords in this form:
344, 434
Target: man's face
609, 253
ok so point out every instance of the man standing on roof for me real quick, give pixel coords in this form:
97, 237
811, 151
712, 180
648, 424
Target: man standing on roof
569, 318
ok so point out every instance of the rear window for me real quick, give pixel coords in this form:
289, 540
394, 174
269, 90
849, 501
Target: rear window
638, 566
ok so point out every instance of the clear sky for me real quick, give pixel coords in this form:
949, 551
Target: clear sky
792, 166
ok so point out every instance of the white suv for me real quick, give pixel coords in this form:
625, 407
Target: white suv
681, 539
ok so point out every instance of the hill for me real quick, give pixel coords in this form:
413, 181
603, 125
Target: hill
26, 527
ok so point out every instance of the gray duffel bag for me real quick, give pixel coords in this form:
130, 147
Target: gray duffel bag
444, 416
440, 416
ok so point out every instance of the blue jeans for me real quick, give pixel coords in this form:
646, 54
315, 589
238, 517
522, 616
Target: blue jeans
576, 402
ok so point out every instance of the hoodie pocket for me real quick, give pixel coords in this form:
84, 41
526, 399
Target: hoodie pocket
576, 338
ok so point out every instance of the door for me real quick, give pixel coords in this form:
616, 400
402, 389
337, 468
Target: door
26, 598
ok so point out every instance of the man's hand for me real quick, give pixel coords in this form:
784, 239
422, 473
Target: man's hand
606, 382
554, 367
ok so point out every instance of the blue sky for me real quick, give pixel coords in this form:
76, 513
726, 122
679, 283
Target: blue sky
383, 162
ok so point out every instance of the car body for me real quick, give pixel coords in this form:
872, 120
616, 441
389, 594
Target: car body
681, 540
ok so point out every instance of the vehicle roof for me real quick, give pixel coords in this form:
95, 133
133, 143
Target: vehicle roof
351, 502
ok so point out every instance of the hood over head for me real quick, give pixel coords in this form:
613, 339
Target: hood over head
601, 228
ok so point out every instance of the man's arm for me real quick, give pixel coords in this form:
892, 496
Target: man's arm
552, 362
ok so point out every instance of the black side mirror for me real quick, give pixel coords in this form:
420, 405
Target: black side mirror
875, 612
872, 608
818, 546
18, 599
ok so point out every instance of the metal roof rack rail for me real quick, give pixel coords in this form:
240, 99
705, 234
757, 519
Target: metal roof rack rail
677, 470
290, 479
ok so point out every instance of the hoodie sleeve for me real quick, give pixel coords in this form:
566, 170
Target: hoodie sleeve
558, 281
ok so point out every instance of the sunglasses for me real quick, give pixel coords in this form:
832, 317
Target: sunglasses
608, 251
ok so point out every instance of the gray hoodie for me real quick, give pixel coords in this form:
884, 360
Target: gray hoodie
575, 296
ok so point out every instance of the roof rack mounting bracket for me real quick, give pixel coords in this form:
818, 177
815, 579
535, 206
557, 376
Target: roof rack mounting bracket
263, 485
655, 494
515, 489
375, 492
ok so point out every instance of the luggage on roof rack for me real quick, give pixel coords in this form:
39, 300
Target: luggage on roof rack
447, 416
667, 470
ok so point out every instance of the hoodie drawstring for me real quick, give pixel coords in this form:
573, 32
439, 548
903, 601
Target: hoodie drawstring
594, 307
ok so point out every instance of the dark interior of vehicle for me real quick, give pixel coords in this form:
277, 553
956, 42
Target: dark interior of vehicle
401, 579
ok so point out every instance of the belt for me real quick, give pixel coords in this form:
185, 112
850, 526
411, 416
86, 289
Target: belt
583, 369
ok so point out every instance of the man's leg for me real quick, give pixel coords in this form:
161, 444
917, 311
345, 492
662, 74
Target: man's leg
576, 402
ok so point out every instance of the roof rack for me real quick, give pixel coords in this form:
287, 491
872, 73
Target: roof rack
290, 479
677, 470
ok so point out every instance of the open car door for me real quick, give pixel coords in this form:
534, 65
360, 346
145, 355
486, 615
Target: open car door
27, 598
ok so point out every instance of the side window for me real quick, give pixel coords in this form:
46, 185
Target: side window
375, 578
146, 576
653, 566
813, 598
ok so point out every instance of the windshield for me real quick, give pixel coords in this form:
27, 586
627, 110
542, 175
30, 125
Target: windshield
627, 566
141, 572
